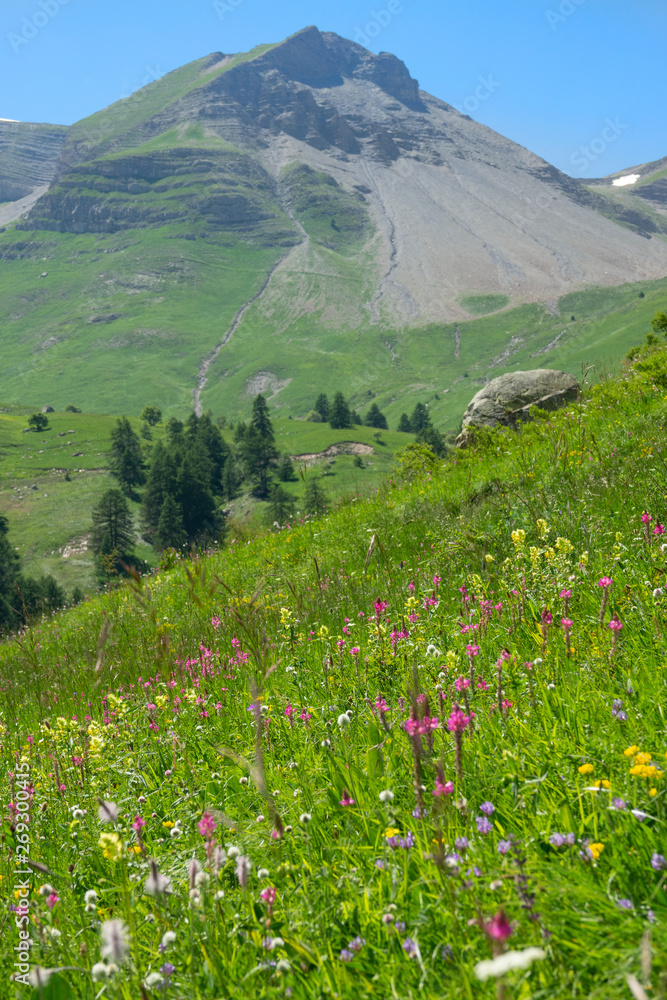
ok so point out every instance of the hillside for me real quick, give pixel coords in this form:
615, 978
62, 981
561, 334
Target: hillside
299, 209
409, 748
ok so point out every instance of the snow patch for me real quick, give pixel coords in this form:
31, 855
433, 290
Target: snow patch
626, 180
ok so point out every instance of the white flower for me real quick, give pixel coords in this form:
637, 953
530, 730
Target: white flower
54, 933
219, 894
39, 977
149, 918
259, 819
175, 832
99, 971
152, 979
243, 781
114, 941
156, 883
233, 852
78, 813
263, 873
344, 720
108, 812
90, 896
505, 963
46, 889
202, 878
243, 869
305, 818
168, 938
283, 965
432, 650
386, 795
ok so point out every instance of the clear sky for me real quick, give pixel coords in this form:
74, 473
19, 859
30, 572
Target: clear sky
559, 75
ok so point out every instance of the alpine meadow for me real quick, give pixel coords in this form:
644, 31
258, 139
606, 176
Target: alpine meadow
333, 538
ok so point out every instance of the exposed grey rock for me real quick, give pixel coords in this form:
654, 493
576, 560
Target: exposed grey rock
48, 409
506, 400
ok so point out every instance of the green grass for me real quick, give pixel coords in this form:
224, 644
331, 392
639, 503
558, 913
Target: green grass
480, 305
220, 687
50, 525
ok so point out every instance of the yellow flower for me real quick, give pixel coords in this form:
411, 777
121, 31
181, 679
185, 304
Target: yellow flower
652, 792
631, 751
136, 849
112, 846
596, 850
542, 527
168, 824
645, 771
585, 769
564, 545
583, 559
489, 558
603, 783
391, 831
519, 536
642, 758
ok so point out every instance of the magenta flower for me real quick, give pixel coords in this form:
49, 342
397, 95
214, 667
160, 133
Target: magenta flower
472, 649
215, 622
567, 623
421, 727
346, 800
615, 625
605, 581
646, 518
565, 593
207, 825
659, 530
138, 823
461, 683
355, 651
443, 788
458, 721
52, 899
499, 928
380, 606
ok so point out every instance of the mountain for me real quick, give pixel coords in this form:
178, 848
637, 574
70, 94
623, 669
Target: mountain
28, 159
641, 190
287, 216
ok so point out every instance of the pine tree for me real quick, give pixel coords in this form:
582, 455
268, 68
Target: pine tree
126, 463
285, 470
420, 418
281, 505
10, 566
112, 520
231, 480
434, 439
195, 497
260, 419
259, 454
316, 499
162, 481
375, 418
170, 532
322, 406
340, 416
404, 425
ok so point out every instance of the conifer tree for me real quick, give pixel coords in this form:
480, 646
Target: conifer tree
340, 416
170, 532
112, 523
404, 425
285, 470
375, 418
261, 419
322, 406
281, 505
259, 454
10, 565
316, 499
420, 418
126, 463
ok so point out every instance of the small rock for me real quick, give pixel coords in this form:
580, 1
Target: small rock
44, 274
48, 409
78, 454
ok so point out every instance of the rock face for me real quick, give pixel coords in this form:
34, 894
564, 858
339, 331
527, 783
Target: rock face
28, 157
507, 400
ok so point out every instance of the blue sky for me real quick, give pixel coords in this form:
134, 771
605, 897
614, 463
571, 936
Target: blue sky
580, 82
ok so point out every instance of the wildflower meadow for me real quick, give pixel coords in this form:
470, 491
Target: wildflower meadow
413, 748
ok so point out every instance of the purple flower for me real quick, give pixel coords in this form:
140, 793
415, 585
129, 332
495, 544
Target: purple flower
504, 846
461, 843
419, 813
617, 710
447, 953
484, 825
570, 839
638, 814
487, 808
557, 839
618, 803
625, 904
409, 947
381, 864
346, 956
357, 944
400, 925
658, 862
168, 969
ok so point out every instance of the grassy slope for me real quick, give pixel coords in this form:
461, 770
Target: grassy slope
57, 514
589, 472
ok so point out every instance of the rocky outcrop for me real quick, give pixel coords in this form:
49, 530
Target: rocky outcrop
506, 400
28, 157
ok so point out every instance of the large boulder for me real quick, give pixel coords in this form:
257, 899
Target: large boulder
506, 400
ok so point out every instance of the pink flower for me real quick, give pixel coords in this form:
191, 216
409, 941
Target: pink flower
443, 788
658, 530
207, 825
615, 625
646, 518
461, 683
138, 823
457, 721
355, 651
346, 799
380, 606
499, 928
567, 623
215, 622
52, 899
565, 593
269, 895
482, 685
472, 650
421, 727
605, 581
411, 585
437, 581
